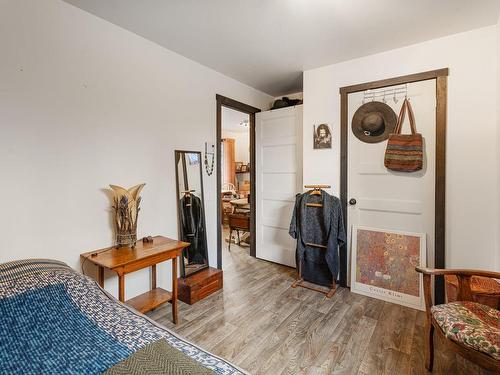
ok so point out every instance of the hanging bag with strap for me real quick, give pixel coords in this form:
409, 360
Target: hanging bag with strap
404, 152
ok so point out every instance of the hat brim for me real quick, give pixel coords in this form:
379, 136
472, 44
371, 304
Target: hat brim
389, 116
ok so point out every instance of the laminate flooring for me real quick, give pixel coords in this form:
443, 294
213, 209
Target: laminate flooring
262, 325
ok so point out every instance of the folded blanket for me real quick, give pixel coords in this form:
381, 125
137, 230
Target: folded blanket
158, 358
54, 320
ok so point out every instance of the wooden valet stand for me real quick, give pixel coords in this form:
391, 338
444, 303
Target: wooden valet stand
300, 282
316, 190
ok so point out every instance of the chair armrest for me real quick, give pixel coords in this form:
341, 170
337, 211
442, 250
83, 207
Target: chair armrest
457, 272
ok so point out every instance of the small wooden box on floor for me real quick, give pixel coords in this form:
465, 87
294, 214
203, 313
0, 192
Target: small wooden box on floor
200, 285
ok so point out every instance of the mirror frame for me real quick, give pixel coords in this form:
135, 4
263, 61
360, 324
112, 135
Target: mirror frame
178, 154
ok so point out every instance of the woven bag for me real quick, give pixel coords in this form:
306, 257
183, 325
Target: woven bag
404, 152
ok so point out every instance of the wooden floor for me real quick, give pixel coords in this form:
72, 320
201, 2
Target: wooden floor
265, 327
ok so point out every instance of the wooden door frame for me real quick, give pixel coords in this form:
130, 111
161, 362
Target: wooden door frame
441, 77
223, 101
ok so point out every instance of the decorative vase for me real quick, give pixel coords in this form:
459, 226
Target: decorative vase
126, 207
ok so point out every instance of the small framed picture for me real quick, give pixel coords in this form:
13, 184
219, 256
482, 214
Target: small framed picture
238, 165
322, 136
244, 168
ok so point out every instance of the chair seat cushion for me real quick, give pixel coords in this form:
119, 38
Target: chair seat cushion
470, 324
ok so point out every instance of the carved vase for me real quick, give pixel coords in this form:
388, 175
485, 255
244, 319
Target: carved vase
126, 210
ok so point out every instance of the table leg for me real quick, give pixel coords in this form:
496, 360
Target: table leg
174, 289
153, 276
100, 276
121, 288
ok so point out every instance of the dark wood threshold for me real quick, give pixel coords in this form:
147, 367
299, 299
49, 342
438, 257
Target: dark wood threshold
150, 300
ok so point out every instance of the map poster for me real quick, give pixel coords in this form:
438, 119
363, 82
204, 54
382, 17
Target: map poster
383, 265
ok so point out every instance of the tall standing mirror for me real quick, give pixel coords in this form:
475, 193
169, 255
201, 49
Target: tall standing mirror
191, 211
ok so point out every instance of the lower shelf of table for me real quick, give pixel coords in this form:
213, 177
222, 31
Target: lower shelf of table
150, 300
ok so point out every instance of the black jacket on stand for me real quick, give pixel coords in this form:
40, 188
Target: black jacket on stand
193, 230
320, 226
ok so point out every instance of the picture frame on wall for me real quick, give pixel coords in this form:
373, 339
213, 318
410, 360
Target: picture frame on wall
322, 136
383, 265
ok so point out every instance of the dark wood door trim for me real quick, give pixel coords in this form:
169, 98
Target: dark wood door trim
223, 101
441, 77
424, 76
343, 184
440, 187
234, 104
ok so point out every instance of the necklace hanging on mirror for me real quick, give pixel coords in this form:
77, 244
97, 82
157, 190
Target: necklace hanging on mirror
210, 169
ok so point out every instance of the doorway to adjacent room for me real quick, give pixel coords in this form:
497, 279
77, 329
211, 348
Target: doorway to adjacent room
235, 177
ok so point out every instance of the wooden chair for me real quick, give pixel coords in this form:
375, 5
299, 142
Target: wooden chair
442, 317
238, 222
485, 291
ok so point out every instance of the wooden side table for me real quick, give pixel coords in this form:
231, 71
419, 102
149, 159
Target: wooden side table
125, 260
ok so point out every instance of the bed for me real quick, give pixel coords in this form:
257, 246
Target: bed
54, 320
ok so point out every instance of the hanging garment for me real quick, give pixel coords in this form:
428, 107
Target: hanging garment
321, 226
193, 230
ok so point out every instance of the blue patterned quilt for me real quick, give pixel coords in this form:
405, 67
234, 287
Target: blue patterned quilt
54, 320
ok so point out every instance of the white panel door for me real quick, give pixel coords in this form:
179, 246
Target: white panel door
394, 200
278, 156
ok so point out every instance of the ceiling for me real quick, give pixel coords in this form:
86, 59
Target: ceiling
268, 43
232, 119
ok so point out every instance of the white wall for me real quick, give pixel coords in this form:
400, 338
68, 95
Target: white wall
472, 138
241, 153
295, 95
241, 145
84, 103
